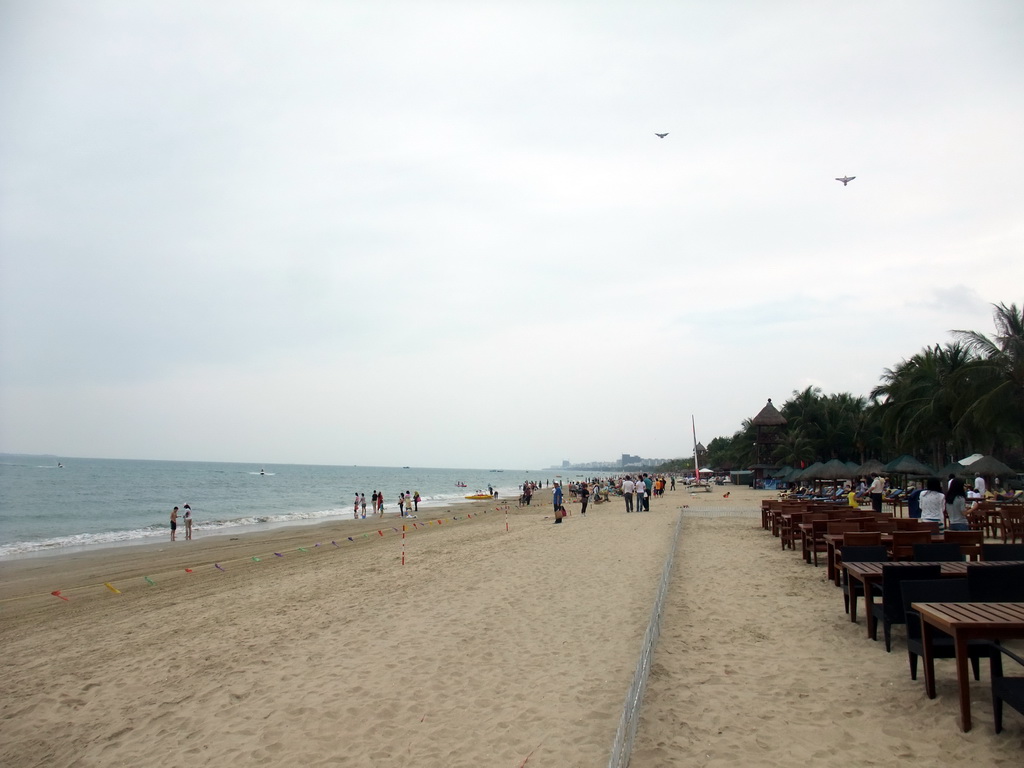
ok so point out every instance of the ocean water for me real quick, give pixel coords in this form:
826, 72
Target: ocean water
92, 502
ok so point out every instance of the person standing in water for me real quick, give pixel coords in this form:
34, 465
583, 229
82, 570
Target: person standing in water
174, 522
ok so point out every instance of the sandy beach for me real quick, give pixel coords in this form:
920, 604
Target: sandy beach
487, 648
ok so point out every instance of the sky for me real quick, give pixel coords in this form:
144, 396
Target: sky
445, 234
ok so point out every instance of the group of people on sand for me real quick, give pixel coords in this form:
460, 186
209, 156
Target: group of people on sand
636, 491
408, 502
186, 516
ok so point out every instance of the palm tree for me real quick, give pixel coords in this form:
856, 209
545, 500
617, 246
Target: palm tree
995, 379
921, 404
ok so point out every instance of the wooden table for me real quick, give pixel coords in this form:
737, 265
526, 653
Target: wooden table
870, 573
965, 622
833, 540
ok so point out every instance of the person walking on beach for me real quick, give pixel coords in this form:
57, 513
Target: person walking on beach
188, 523
174, 522
416, 502
355, 508
648, 489
401, 504
373, 498
362, 503
380, 504
584, 497
556, 496
627, 492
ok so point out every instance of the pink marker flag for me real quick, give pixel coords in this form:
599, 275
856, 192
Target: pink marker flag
56, 593
188, 570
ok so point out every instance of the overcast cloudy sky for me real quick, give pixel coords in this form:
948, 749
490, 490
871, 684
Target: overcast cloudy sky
445, 234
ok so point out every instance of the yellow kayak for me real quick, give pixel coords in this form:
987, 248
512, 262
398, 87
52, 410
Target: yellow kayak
479, 496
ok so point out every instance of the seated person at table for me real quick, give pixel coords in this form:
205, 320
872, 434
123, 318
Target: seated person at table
914, 502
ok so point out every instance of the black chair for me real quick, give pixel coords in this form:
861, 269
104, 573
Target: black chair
1002, 551
866, 554
935, 553
889, 610
996, 583
1006, 689
942, 591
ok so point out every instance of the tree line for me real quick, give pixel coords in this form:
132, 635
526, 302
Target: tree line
942, 404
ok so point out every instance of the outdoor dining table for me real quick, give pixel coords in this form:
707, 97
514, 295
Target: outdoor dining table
870, 573
965, 622
832, 540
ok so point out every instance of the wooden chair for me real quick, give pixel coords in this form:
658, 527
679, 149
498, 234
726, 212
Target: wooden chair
862, 538
970, 542
885, 526
1011, 524
903, 543
815, 543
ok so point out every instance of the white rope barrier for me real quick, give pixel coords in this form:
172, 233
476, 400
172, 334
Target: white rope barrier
622, 747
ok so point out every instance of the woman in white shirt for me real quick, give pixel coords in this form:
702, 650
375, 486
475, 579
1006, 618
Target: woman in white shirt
933, 502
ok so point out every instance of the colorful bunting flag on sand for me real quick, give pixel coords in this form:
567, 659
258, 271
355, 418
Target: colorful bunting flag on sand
111, 587
217, 566
149, 581
56, 593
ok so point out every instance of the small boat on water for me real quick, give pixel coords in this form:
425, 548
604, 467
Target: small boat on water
460, 485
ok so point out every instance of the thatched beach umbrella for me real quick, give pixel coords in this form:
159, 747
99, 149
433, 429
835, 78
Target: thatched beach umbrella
872, 465
834, 470
782, 472
908, 465
854, 468
956, 468
810, 473
989, 466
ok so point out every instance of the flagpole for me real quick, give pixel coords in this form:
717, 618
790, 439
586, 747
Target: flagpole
696, 468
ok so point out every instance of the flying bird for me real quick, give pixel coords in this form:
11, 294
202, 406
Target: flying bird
846, 179
661, 135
